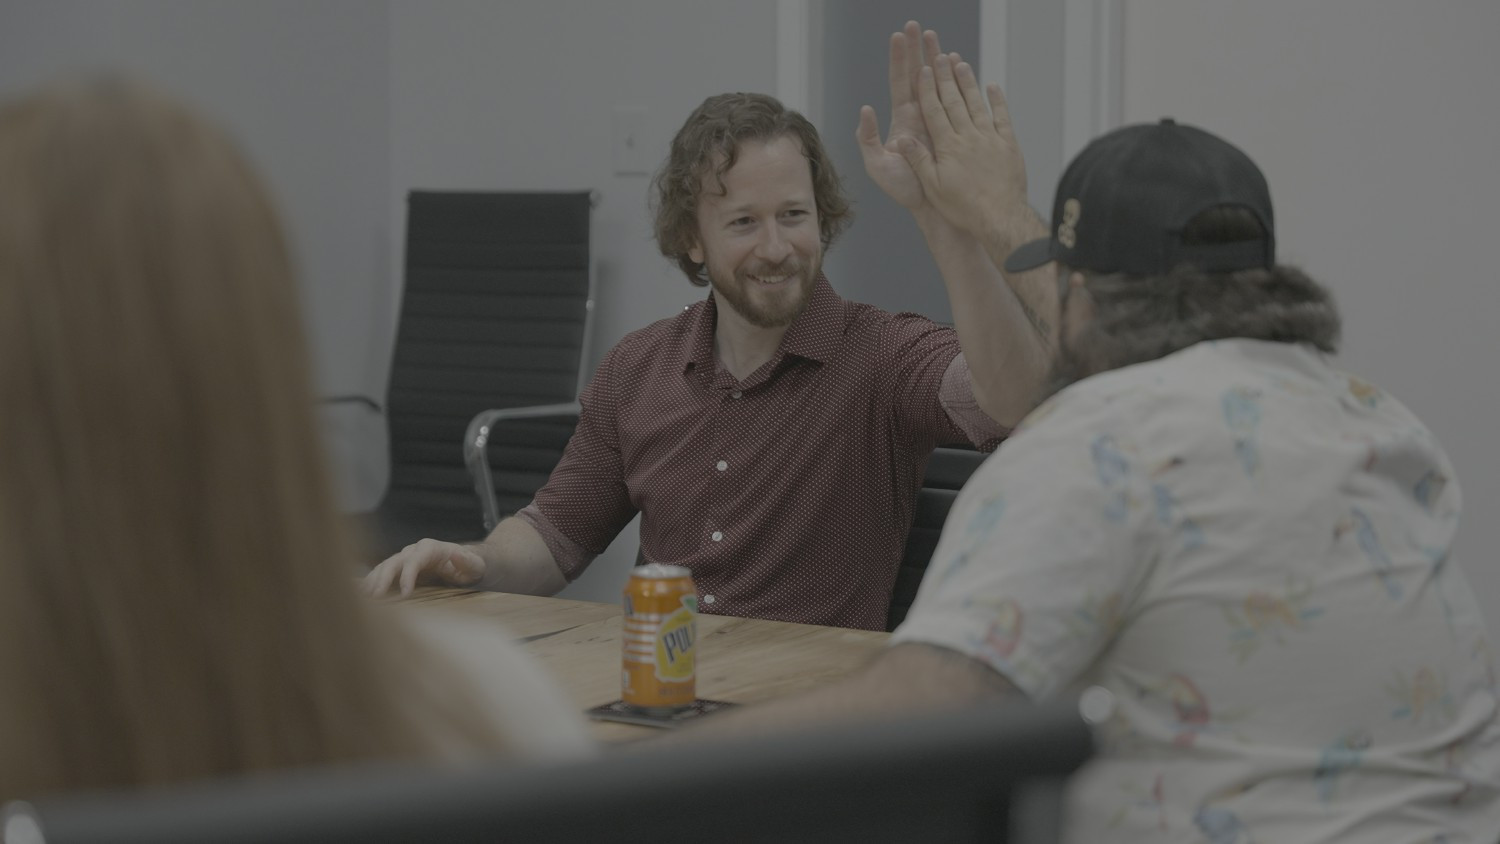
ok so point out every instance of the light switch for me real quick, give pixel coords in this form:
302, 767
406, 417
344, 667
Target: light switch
630, 149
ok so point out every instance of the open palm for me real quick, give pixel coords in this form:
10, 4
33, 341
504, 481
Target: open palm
886, 166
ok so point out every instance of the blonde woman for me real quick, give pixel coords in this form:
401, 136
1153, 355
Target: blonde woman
175, 596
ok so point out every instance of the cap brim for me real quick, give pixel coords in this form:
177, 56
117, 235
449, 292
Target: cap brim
1029, 256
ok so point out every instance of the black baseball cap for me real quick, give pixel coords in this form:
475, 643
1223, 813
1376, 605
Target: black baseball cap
1123, 201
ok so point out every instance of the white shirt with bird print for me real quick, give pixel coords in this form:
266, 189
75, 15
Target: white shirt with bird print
1249, 549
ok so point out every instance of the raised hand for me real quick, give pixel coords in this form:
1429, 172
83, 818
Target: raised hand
971, 168
884, 163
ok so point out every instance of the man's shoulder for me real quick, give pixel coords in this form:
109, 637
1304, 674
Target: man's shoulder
1164, 393
643, 356
663, 335
874, 316
1198, 390
831, 327
1201, 371
895, 329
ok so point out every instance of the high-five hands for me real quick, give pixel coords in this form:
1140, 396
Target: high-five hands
884, 163
970, 170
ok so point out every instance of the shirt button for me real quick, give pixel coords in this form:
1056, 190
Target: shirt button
716, 536
736, 394
721, 465
708, 599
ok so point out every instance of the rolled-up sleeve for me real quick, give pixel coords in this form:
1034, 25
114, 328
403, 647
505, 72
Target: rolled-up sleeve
931, 387
956, 395
585, 503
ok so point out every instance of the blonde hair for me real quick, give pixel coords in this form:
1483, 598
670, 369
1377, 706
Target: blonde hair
176, 590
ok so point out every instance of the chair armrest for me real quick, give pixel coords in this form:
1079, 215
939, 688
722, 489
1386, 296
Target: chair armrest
354, 399
476, 449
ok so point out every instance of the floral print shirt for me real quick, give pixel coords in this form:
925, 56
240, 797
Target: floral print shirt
1250, 551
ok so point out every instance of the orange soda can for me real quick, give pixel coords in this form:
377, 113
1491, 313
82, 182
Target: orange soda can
659, 633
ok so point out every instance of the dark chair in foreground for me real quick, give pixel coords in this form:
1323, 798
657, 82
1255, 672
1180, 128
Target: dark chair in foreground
495, 313
993, 776
947, 471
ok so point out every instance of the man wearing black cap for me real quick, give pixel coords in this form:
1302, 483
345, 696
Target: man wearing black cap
1237, 553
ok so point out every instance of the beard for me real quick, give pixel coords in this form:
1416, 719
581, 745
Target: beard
767, 308
1069, 366
1067, 369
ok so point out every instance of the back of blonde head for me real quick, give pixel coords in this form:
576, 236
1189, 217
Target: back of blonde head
175, 593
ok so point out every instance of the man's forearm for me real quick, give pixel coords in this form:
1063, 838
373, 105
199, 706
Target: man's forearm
907, 678
1004, 337
1035, 288
517, 560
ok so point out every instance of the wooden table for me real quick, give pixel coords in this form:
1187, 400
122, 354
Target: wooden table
743, 660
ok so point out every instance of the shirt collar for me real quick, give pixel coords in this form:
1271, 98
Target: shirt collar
814, 334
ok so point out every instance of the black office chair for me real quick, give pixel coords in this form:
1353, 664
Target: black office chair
991, 775
947, 471
496, 312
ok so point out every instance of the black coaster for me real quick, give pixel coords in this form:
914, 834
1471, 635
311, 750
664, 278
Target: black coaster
619, 710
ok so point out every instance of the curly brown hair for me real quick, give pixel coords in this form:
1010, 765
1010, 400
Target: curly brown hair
1143, 318
709, 142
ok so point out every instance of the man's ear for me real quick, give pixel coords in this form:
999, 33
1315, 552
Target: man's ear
1068, 283
695, 252
1078, 296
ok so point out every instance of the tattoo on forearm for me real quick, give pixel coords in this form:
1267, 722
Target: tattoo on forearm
1037, 322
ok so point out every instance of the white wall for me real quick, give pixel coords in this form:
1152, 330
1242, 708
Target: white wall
519, 95
301, 87
882, 258
1377, 124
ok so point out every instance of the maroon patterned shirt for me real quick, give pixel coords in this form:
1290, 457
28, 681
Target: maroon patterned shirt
788, 494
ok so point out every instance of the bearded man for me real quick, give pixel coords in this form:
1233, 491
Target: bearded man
773, 436
1231, 555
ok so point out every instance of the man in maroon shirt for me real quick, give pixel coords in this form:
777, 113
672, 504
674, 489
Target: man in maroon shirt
773, 436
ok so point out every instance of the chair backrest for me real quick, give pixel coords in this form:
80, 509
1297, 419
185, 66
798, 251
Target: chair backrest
495, 312
990, 775
947, 471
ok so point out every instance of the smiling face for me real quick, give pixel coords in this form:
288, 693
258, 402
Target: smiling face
759, 237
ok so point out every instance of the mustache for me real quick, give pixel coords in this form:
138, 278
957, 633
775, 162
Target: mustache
790, 266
